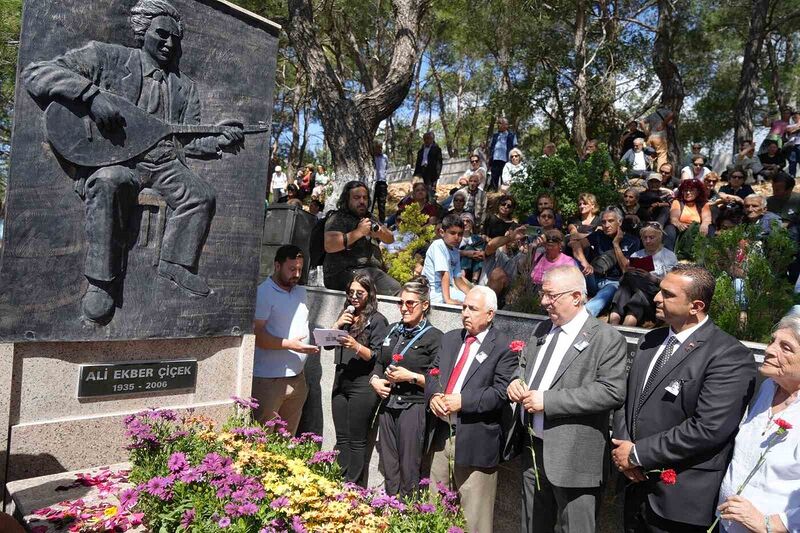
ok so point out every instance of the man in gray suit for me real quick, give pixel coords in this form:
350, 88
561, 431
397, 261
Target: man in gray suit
571, 376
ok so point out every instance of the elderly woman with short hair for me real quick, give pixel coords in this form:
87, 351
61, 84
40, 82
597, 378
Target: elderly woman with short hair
515, 169
770, 500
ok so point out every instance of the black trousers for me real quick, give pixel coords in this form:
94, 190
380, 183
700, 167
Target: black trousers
381, 193
640, 518
402, 440
496, 170
353, 405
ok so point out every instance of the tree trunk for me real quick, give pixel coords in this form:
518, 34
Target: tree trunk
448, 139
294, 149
778, 92
581, 100
748, 79
672, 89
306, 121
350, 123
412, 129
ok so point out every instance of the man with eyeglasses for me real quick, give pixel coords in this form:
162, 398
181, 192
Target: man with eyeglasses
668, 180
475, 167
571, 376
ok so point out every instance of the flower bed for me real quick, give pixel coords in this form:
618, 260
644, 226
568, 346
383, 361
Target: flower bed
244, 478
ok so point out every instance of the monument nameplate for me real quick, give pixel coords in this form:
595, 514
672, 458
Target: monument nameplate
145, 377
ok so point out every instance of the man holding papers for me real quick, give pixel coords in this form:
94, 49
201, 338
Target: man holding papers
281, 329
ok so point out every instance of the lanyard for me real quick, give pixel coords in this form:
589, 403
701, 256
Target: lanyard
412, 341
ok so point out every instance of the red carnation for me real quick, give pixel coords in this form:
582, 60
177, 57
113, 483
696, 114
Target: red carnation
669, 476
434, 372
397, 357
783, 424
517, 346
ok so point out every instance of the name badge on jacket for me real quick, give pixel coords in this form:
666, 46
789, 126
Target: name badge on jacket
481, 357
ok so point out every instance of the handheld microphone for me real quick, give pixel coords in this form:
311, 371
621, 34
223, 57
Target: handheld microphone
350, 309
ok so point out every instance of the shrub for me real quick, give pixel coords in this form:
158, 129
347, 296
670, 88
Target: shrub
767, 291
564, 176
414, 233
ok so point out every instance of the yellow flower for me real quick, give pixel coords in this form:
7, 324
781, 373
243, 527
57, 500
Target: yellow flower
111, 511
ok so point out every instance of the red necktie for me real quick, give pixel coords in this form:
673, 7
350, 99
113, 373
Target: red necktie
451, 383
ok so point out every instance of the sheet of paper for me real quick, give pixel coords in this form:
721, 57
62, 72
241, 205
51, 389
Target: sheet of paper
328, 337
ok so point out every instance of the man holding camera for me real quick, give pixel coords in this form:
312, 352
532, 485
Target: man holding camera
351, 242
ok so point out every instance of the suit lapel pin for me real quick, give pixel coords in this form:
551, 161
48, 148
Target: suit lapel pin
580, 346
691, 345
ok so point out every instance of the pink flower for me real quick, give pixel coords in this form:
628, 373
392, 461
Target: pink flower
669, 476
397, 357
783, 424
516, 346
434, 372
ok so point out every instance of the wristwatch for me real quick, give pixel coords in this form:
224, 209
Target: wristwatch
632, 457
414, 380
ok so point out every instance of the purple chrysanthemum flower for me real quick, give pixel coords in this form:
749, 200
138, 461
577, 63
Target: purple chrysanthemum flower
128, 498
425, 508
224, 522
177, 462
245, 403
190, 475
424, 482
297, 525
328, 457
279, 503
248, 509
159, 487
187, 518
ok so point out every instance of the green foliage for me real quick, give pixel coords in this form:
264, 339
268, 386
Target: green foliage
566, 177
10, 15
767, 292
416, 233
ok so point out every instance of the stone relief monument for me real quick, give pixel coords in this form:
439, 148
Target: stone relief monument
152, 215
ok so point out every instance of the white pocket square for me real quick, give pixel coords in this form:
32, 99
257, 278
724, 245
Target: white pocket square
481, 357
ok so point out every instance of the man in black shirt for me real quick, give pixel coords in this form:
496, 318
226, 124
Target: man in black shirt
351, 242
772, 161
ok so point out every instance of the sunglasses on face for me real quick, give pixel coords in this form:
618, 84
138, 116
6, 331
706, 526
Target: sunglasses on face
474, 161
507, 204
552, 240
665, 172
357, 294
698, 164
408, 304
737, 177
712, 182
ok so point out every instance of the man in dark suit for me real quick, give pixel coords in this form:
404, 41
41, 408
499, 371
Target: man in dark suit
468, 399
688, 387
429, 163
571, 377
149, 77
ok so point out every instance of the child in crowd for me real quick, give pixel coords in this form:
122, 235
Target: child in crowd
443, 264
471, 249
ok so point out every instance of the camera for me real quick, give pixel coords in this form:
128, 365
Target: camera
375, 227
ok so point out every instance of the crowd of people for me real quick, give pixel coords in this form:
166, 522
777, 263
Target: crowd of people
681, 422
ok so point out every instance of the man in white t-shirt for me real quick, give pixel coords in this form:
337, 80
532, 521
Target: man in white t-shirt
442, 265
282, 334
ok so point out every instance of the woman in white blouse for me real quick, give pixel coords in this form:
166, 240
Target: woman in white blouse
770, 502
515, 170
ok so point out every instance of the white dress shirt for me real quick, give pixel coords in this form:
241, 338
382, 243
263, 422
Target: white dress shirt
474, 350
681, 338
569, 332
774, 487
425, 151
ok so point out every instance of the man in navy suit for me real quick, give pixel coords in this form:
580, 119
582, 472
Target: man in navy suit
468, 400
688, 387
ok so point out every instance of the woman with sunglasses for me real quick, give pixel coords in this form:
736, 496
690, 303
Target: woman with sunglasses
551, 256
736, 190
515, 170
475, 167
689, 207
497, 225
398, 378
353, 401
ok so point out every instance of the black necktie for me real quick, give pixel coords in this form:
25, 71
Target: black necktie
652, 379
548, 354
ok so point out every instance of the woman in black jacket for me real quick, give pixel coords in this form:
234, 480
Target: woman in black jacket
399, 379
354, 402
